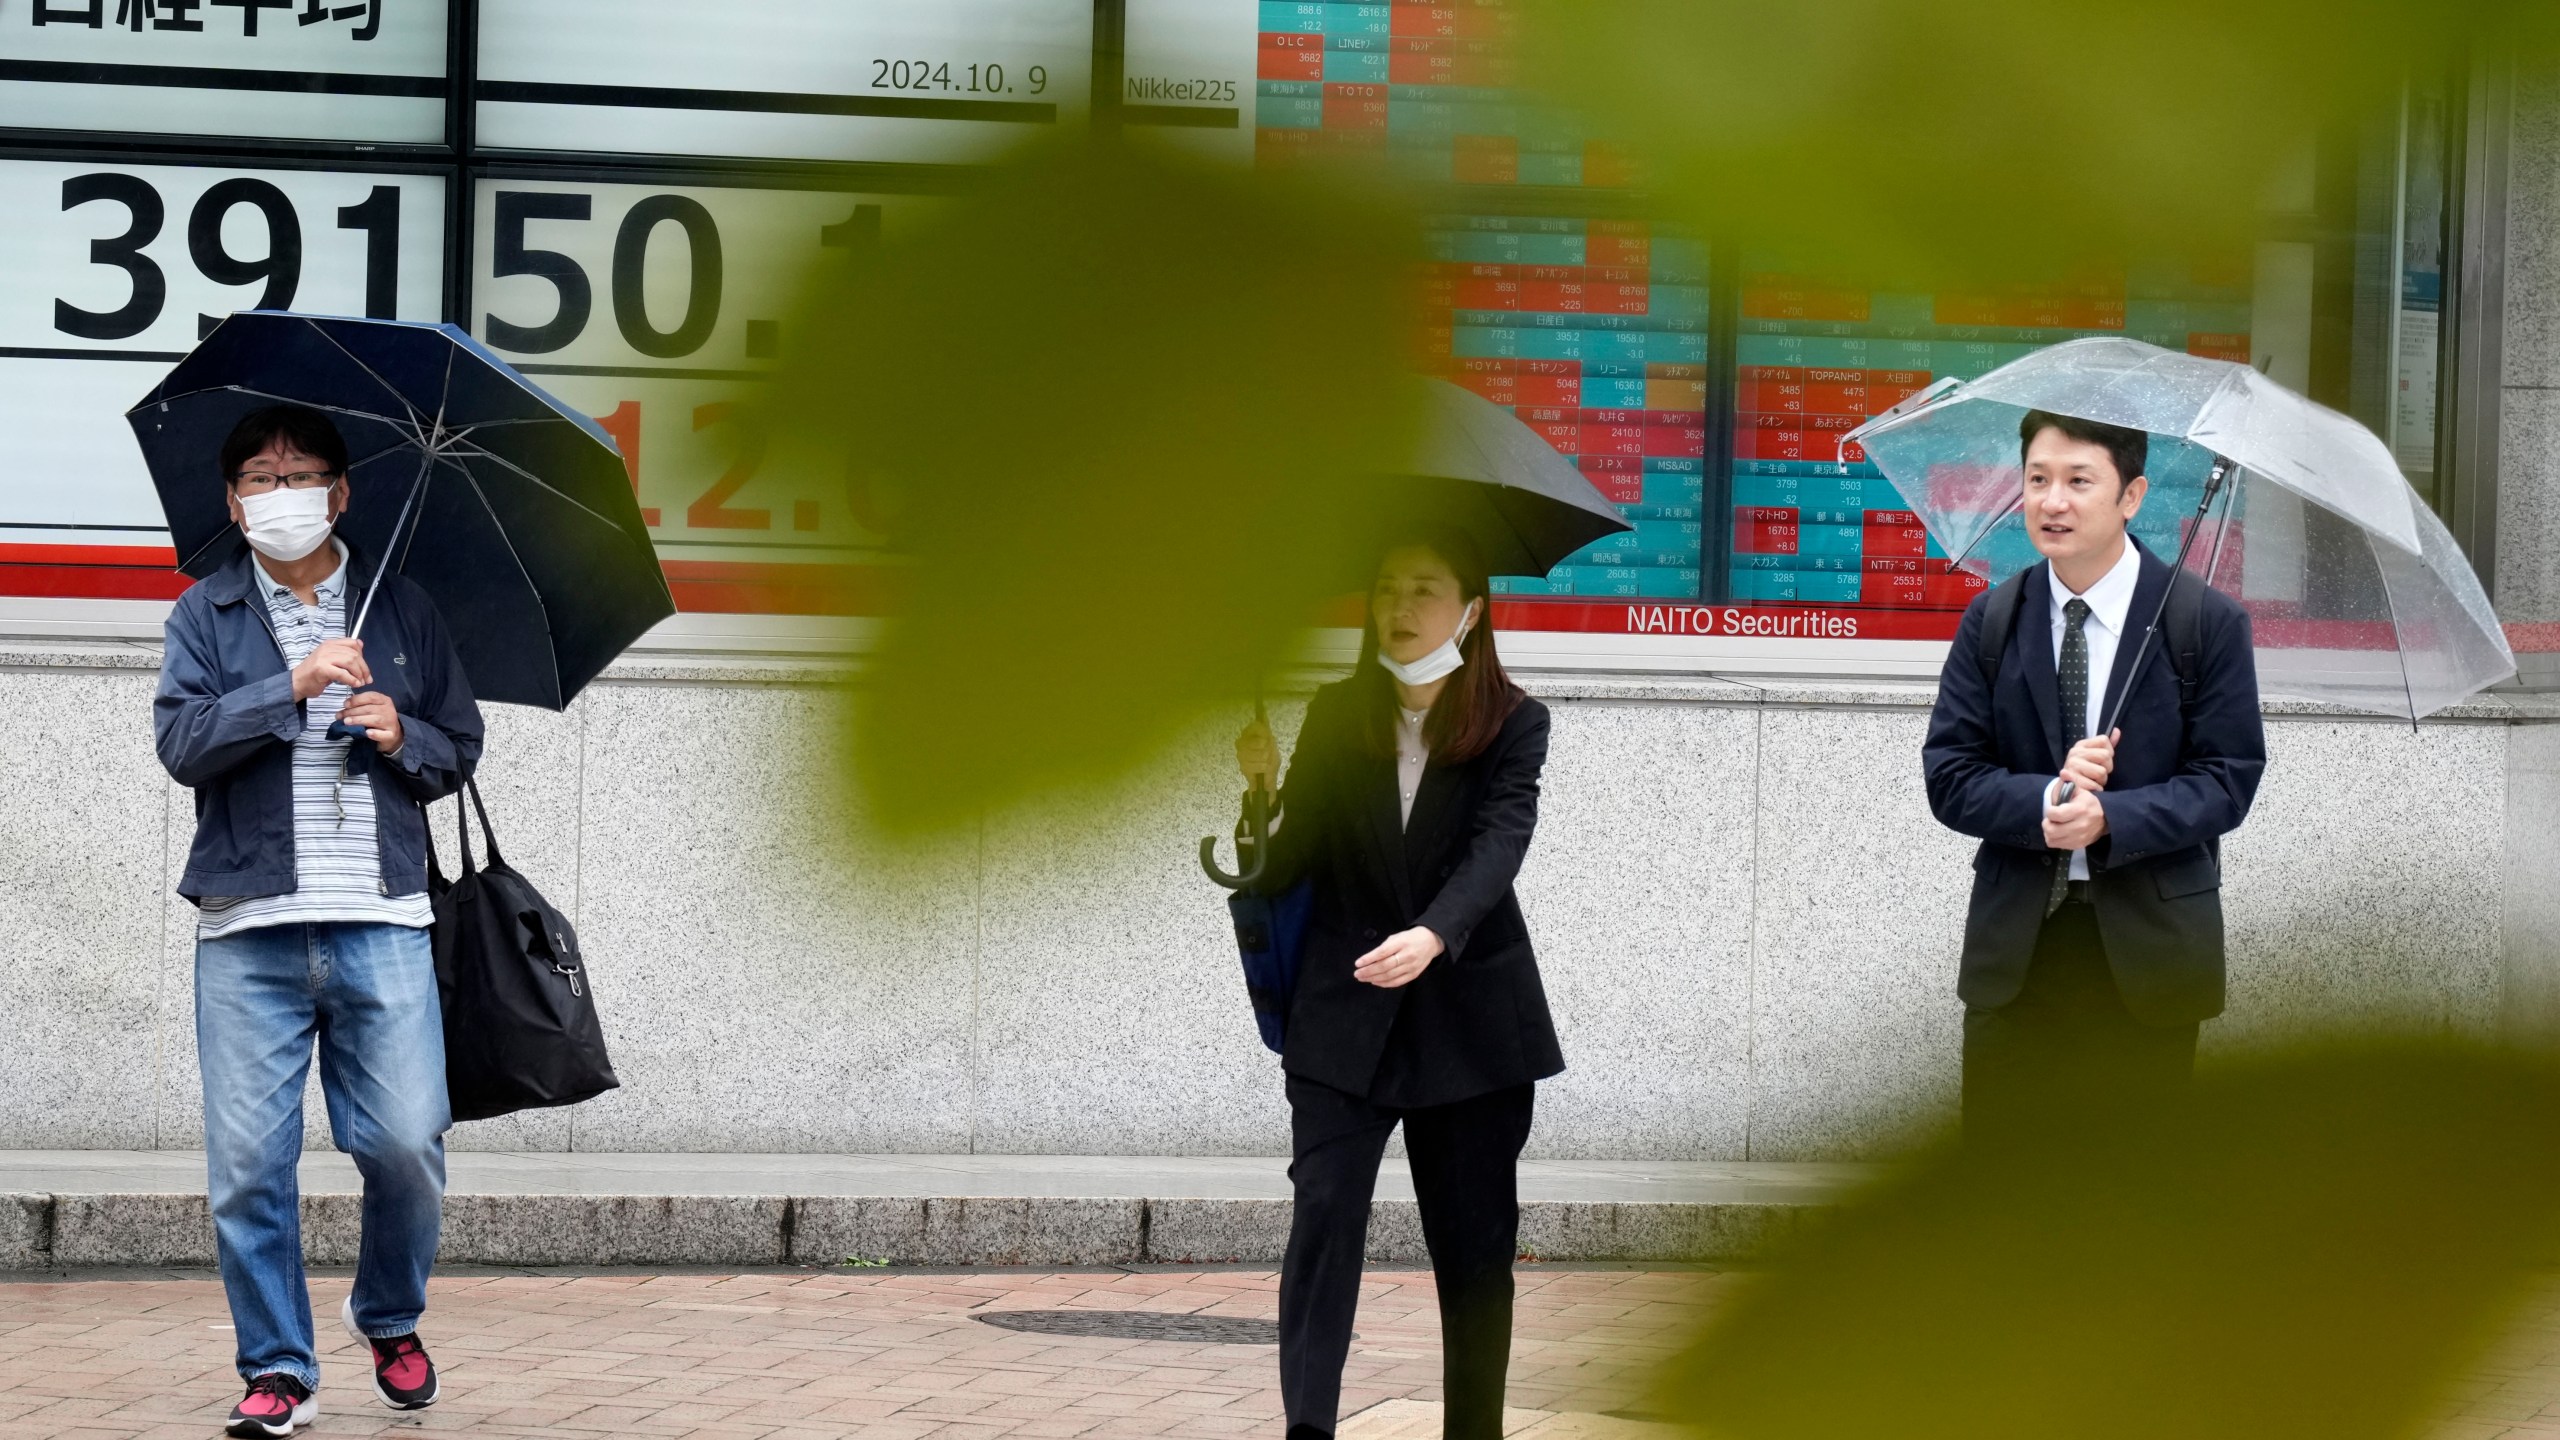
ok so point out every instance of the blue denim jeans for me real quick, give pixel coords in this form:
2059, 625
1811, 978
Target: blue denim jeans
367, 993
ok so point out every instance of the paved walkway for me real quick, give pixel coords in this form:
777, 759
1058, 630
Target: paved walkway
888, 1355
882, 1355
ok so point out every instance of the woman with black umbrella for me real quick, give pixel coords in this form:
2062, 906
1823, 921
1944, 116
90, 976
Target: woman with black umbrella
1408, 809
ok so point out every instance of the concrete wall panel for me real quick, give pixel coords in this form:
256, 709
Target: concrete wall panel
1747, 920
80, 908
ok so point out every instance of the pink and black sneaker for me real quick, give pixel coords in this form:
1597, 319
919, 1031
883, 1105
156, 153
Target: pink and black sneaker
275, 1405
402, 1374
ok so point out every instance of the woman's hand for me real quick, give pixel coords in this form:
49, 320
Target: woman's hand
1258, 756
1403, 955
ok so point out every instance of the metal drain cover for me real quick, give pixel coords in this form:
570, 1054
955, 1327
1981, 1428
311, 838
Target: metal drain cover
1139, 1325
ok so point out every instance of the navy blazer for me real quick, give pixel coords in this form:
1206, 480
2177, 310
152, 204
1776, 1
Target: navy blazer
225, 721
2184, 776
1476, 1019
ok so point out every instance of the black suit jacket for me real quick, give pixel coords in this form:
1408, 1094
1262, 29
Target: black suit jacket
1476, 1020
2182, 779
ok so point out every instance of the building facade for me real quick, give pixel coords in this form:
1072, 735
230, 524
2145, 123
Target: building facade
1748, 919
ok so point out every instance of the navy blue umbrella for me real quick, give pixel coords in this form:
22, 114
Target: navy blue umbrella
511, 509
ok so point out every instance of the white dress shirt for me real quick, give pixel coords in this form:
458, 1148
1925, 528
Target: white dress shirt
2110, 600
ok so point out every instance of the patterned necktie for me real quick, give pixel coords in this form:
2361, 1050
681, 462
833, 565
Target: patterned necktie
2075, 716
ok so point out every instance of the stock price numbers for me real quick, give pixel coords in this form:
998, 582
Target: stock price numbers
674, 335
275, 264
658, 309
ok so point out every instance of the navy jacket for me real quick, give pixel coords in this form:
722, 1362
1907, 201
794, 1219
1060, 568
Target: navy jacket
225, 721
1476, 1019
2184, 775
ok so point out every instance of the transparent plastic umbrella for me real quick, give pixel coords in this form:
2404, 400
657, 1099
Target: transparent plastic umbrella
2356, 592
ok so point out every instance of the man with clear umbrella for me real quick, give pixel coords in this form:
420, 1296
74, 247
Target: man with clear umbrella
2093, 943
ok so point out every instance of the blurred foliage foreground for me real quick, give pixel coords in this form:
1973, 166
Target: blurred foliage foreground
2316, 1249
1120, 400
1126, 400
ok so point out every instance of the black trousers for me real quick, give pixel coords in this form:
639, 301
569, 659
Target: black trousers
1465, 1159
2066, 1055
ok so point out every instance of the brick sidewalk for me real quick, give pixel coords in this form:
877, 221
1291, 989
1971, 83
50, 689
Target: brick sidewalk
883, 1354
893, 1354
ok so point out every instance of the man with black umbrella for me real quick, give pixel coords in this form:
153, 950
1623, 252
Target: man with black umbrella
309, 870
2093, 943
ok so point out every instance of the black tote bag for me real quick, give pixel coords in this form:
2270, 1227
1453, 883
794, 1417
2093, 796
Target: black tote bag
520, 1026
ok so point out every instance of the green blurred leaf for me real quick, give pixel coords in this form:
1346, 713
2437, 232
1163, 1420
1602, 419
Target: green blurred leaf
1996, 140
2315, 1253
1121, 397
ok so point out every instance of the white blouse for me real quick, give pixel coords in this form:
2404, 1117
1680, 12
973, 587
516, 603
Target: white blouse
1411, 755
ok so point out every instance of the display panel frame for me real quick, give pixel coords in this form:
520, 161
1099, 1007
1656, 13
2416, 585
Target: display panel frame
55, 581
1710, 634
459, 28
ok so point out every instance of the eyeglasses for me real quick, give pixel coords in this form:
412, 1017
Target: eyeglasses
259, 482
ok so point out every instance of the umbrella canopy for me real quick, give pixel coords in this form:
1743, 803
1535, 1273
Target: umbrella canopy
1472, 466
2357, 593
512, 510
1475, 467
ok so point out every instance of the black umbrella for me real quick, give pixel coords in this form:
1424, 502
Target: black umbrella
511, 509
1473, 467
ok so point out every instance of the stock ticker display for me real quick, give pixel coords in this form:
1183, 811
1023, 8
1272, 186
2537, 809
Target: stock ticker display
1594, 331
1815, 522
1430, 84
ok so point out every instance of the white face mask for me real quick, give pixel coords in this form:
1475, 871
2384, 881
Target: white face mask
1439, 662
285, 525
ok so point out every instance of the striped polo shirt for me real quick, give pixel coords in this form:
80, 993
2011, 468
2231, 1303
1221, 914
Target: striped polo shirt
337, 853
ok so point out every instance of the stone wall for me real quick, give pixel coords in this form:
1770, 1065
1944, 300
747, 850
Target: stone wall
1747, 919
2528, 519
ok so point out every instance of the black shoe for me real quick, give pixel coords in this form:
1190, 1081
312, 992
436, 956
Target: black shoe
275, 1405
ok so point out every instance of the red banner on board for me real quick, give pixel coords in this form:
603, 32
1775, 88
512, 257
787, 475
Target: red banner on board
143, 572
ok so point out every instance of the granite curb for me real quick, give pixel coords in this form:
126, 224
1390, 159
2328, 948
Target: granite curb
72, 1231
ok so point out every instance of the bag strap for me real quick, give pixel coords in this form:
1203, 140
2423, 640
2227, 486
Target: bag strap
2182, 632
462, 832
472, 787
1999, 617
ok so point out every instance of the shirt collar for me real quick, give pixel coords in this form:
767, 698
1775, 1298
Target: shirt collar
333, 588
2112, 597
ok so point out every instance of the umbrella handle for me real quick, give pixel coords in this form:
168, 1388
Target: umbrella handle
1257, 819
1259, 802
